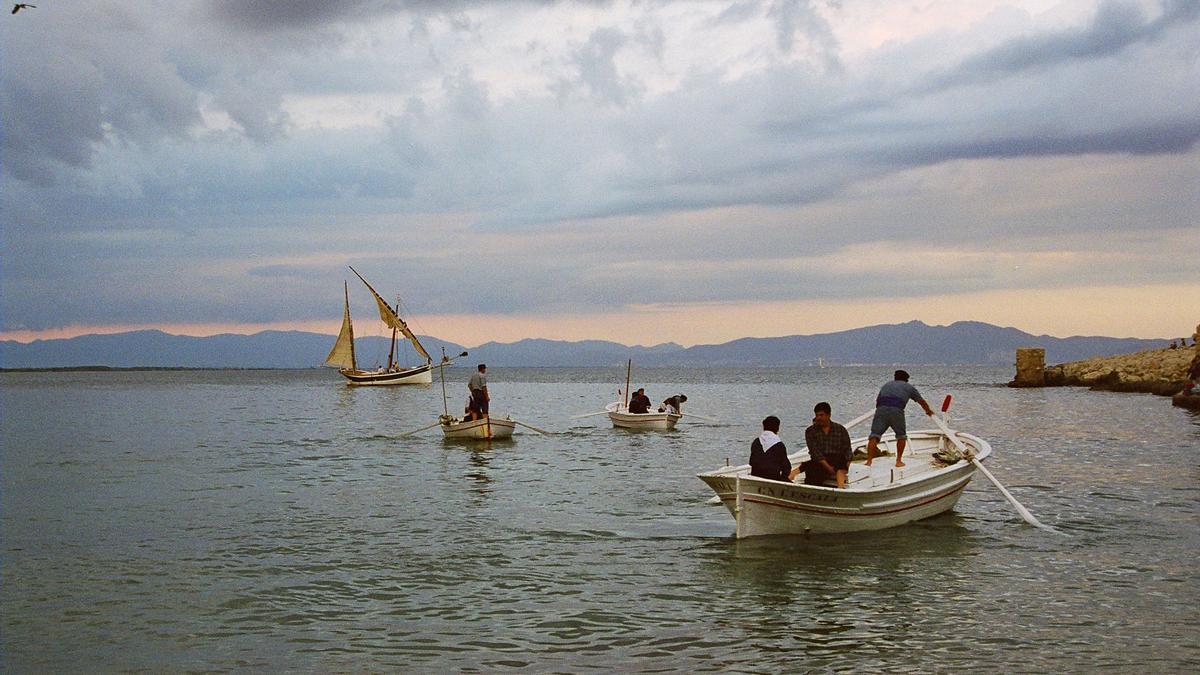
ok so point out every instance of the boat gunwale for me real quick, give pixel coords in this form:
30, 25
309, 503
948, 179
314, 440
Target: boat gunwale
742, 471
386, 374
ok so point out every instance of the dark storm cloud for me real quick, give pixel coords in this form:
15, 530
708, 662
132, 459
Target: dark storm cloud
1115, 27
58, 106
269, 15
1156, 139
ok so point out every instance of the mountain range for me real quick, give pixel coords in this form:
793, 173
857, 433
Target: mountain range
914, 342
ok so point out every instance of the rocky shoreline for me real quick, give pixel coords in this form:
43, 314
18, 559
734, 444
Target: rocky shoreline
1153, 371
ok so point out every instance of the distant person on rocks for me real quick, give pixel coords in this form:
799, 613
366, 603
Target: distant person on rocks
828, 448
768, 454
1193, 386
479, 393
639, 403
673, 405
889, 412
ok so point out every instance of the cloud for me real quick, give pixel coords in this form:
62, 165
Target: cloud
578, 155
1115, 27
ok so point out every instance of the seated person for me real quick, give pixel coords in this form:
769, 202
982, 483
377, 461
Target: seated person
768, 454
828, 448
639, 403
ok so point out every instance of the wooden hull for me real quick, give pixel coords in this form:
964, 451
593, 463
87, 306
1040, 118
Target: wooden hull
419, 375
651, 421
876, 497
479, 430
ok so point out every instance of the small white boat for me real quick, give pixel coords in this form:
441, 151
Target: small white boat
875, 497
653, 420
488, 428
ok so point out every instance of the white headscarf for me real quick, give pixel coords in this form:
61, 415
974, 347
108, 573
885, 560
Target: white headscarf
768, 439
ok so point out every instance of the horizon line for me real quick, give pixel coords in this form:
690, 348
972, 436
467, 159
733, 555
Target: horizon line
215, 330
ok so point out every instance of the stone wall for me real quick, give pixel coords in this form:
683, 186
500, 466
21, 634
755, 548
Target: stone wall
1031, 368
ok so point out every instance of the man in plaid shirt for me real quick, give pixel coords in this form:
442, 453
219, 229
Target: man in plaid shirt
828, 448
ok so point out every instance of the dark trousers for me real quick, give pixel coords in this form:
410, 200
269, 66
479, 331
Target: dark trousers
479, 402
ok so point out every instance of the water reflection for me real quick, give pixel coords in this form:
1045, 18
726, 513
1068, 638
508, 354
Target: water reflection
759, 562
479, 460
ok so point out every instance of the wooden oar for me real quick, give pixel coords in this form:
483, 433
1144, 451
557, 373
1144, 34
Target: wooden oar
530, 426
1024, 512
409, 433
577, 417
707, 419
860, 419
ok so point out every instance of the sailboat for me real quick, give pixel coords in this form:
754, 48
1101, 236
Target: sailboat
342, 355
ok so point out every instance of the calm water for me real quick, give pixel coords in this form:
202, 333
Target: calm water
276, 520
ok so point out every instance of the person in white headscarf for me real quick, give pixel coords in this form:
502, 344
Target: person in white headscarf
768, 454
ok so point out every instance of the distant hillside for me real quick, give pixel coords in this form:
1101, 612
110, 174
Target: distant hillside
964, 342
152, 348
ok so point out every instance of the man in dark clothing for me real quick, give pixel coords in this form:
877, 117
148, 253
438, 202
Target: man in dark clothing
768, 454
673, 405
479, 393
639, 403
828, 448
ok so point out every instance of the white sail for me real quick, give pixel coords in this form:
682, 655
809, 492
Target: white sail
390, 318
342, 354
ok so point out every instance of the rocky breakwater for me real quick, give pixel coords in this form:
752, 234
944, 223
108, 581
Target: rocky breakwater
1154, 371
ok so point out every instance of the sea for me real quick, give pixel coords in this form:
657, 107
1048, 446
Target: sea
277, 520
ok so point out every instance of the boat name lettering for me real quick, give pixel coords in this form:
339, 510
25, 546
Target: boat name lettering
796, 495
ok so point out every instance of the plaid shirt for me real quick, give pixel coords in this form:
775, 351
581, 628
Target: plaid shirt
823, 445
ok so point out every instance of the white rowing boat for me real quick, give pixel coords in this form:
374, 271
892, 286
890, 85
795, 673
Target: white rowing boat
488, 428
875, 497
656, 421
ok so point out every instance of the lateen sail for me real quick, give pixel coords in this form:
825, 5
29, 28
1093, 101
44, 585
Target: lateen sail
342, 354
391, 319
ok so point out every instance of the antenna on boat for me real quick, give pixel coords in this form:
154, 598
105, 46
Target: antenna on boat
442, 372
628, 370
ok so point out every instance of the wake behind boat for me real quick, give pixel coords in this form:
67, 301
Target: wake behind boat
876, 497
343, 357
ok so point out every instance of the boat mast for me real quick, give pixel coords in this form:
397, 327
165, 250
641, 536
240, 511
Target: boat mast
392, 318
628, 369
392, 348
350, 326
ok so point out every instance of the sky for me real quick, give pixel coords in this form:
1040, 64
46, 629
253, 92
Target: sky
642, 172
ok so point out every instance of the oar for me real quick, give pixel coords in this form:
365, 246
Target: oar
1024, 512
707, 419
409, 433
860, 419
530, 426
576, 417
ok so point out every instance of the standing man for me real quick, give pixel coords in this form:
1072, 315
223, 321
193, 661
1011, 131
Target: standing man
479, 392
768, 454
889, 412
828, 448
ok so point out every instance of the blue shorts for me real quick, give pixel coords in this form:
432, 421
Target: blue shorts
888, 417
